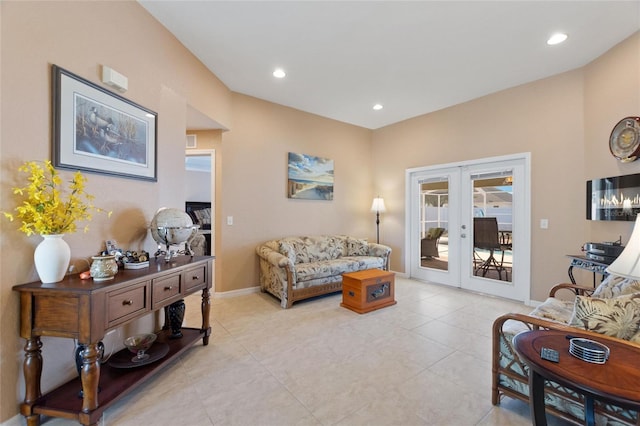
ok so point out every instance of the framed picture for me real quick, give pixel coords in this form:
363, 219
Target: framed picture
98, 131
310, 178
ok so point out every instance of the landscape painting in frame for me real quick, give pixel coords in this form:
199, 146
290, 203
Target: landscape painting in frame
96, 130
310, 178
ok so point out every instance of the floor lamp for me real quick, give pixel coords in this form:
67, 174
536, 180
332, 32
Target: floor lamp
378, 207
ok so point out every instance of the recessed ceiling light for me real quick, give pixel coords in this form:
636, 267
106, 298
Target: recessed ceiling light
377, 107
557, 38
279, 73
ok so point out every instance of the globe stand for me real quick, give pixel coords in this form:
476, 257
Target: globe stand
173, 235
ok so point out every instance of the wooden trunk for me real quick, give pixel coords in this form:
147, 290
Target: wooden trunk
366, 291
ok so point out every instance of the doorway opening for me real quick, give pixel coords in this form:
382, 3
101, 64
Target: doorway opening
200, 193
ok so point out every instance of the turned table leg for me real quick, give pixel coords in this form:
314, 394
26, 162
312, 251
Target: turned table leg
206, 309
90, 376
32, 369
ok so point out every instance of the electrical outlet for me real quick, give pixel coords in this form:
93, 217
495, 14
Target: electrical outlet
229, 220
544, 223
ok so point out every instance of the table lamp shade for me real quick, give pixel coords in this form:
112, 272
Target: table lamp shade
628, 263
378, 205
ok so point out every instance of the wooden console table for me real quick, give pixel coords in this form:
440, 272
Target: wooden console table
86, 310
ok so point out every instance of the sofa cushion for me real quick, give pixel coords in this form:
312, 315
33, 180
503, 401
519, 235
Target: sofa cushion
614, 285
617, 317
556, 310
325, 268
357, 247
365, 262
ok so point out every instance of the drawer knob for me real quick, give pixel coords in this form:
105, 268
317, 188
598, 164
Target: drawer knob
127, 302
195, 277
168, 288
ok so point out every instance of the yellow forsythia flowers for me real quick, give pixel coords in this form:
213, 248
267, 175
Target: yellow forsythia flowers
44, 209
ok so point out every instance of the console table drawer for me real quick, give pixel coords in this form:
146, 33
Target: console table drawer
195, 277
165, 288
126, 303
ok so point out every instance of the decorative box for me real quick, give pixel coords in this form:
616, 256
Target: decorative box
368, 290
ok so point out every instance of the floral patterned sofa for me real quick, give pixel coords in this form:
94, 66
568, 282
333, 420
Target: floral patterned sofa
296, 268
611, 311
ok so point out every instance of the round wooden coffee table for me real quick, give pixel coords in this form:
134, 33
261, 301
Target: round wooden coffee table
616, 381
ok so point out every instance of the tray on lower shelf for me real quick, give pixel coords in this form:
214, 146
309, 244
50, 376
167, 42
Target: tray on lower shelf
125, 358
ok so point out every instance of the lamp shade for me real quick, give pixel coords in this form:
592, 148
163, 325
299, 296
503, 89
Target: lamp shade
628, 263
378, 205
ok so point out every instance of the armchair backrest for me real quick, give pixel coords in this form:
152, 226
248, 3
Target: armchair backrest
485, 233
434, 233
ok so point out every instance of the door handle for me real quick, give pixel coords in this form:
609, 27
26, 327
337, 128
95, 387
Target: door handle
463, 235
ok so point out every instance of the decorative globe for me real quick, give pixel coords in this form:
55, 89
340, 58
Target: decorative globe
172, 226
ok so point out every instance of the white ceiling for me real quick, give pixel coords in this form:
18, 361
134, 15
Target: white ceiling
415, 57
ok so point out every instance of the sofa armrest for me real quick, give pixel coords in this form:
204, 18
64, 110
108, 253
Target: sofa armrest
380, 250
577, 290
273, 257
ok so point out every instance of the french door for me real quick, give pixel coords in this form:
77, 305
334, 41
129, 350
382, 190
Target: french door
446, 240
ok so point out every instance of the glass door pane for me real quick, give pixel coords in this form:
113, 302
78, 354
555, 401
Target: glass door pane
435, 235
434, 224
492, 225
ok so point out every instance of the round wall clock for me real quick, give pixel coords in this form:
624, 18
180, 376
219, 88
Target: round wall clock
624, 141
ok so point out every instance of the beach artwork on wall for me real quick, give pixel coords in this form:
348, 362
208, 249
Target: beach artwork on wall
310, 178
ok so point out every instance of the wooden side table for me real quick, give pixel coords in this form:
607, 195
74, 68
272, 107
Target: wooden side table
615, 381
368, 290
583, 262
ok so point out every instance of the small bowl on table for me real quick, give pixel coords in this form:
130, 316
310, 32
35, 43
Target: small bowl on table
139, 344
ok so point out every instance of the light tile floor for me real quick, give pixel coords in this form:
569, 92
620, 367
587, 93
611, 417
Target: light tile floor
424, 361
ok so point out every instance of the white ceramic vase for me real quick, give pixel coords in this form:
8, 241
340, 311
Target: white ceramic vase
52, 257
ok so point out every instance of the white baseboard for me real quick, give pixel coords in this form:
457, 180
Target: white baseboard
256, 289
400, 274
535, 303
236, 293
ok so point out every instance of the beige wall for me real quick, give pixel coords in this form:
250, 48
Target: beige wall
612, 92
564, 121
523, 119
254, 182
